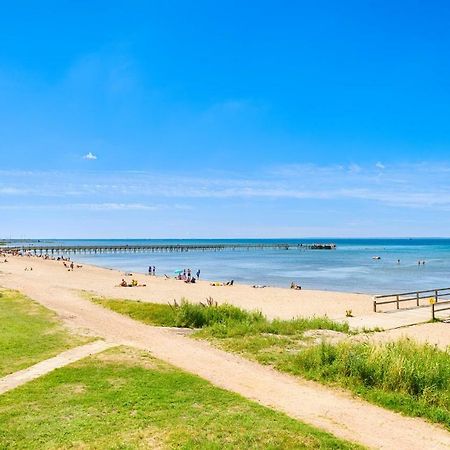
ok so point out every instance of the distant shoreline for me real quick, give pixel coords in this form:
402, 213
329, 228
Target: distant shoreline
369, 265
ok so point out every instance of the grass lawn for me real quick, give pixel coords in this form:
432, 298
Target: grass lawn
406, 377
125, 399
29, 333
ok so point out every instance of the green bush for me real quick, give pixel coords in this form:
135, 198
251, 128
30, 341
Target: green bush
193, 315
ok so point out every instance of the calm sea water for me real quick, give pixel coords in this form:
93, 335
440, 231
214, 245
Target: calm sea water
348, 268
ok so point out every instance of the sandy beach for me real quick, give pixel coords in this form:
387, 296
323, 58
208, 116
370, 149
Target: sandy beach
273, 302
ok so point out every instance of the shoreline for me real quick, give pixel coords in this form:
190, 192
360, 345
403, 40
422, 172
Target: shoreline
274, 302
213, 280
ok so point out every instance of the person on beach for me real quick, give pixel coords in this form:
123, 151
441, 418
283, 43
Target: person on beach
198, 274
123, 283
189, 273
154, 271
71, 266
295, 286
149, 270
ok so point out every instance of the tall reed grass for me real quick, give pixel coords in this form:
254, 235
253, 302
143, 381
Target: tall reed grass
404, 375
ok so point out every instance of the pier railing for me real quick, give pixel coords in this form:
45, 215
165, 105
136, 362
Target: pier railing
431, 296
61, 249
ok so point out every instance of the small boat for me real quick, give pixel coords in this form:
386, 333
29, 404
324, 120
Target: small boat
376, 257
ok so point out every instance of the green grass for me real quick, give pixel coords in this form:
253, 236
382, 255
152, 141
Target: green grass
405, 376
215, 320
29, 333
149, 313
125, 399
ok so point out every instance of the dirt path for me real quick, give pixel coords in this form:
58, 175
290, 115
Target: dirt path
16, 379
334, 411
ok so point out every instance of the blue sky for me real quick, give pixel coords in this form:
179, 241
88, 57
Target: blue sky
224, 119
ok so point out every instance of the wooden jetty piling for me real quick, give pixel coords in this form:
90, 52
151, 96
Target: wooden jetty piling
64, 249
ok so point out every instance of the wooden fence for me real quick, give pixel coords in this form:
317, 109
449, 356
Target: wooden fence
431, 296
438, 307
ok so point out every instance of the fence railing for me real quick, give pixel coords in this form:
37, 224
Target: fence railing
432, 296
438, 307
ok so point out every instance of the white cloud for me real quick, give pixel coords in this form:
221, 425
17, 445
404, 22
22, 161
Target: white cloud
12, 191
401, 185
90, 156
116, 206
92, 207
380, 165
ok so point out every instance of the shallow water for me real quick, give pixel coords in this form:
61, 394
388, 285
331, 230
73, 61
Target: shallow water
349, 268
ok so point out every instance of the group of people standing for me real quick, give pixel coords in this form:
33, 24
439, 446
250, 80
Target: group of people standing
187, 276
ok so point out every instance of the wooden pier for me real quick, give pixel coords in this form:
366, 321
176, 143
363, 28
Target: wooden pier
93, 249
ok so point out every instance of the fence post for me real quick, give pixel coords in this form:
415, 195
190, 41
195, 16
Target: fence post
374, 306
398, 304
436, 295
432, 311
418, 302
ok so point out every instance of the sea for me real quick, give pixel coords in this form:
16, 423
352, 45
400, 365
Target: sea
351, 267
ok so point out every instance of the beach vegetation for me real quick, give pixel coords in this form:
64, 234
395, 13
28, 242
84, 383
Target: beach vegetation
29, 333
216, 320
125, 399
403, 375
